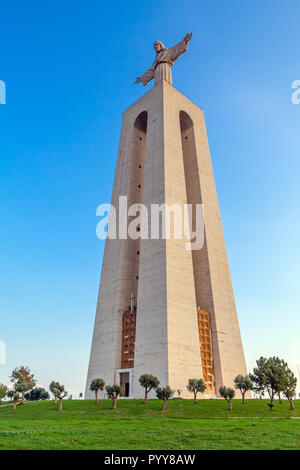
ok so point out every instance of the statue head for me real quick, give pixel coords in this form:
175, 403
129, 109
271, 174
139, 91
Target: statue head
158, 46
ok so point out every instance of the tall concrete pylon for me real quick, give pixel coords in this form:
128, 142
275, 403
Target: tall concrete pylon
163, 309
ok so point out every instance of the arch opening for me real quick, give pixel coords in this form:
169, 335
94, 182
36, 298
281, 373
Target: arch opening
199, 257
131, 253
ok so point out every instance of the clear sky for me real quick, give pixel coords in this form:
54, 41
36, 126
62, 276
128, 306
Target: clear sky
69, 69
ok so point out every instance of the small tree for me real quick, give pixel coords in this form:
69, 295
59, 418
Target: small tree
3, 391
14, 396
287, 383
96, 385
52, 387
289, 387
196, 386
10, 394
149, 382
258, 378
244, 384
228, 394
23, 380
60, 394
164, 394
113, 391
270, 374
44, 395
22, 387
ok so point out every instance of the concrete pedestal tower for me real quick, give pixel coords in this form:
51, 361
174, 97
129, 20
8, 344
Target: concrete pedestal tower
163, 309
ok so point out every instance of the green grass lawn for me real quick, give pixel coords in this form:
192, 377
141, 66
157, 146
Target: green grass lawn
208, 425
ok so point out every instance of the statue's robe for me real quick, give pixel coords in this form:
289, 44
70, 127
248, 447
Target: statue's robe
167, 57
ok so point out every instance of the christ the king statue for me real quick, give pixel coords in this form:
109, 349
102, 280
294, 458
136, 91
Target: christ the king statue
165, 58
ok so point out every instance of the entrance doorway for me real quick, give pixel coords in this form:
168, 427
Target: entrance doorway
124, 377
124, 382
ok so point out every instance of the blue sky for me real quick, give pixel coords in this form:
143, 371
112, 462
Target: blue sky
69, 69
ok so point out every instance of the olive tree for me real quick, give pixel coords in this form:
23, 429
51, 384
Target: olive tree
149, 382
164, 393
3, 391
60, 393
196, 386
228, 394
52, 387
244, 384
113, 392
23, 380
14, 396
96, 385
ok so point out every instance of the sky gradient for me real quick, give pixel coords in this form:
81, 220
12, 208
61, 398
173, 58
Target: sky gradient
69, 69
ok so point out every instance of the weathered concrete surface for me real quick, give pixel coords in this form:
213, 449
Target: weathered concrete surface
171, 164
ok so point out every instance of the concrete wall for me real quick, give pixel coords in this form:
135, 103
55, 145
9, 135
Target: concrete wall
172, 281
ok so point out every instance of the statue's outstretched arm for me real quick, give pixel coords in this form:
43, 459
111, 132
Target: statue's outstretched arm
147, 76
176, 51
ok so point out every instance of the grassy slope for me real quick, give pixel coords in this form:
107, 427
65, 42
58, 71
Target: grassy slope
207, 425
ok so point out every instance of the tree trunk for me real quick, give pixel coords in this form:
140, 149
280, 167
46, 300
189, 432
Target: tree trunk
195, 397
96, 393
15, 404
55, 400
165, 405
23, 393
114, 403
60, 405
292, 407
229, 404
243, 397
146, 396
271, 404
279, 396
